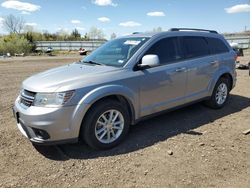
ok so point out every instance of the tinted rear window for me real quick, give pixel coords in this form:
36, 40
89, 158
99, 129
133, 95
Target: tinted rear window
216, 46
195, 47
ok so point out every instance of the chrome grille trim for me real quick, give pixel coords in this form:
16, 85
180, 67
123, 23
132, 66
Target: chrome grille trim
27, 97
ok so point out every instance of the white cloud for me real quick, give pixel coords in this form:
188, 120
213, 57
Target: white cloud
104, 19
75, 21
238, 8
130, 24
25, 13
157, 13
104, 3
31, 24
22, 6
80, 28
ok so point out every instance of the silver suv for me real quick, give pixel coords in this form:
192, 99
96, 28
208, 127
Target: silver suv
123, 81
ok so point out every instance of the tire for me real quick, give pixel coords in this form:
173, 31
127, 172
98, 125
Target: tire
94, 125
218, 92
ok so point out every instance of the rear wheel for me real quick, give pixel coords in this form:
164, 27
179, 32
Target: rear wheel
220, 94
105, 125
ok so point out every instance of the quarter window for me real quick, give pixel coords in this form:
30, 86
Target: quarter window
216, 46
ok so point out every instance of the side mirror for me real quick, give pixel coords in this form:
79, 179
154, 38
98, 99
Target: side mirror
149, 61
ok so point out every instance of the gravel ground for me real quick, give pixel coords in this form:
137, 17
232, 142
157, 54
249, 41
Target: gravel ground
191, 147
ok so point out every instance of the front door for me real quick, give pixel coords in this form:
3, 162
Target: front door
164, 86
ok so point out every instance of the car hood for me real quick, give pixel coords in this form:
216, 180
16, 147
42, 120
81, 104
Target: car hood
67, 77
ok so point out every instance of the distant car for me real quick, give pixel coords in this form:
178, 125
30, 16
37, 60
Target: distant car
82, 51
19, 55
49, 50
7, 55
236, 48
239, 51
234, 45
122, 82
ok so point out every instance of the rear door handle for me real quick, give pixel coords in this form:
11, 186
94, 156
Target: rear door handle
182, 69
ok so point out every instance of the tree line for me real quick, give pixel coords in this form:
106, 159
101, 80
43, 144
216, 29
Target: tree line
21, 37
16, 25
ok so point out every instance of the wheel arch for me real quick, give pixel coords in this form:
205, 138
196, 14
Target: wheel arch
114, 92
119, 98
229, 77
116, 97
221, 74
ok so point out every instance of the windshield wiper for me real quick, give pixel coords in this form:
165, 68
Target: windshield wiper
92, 62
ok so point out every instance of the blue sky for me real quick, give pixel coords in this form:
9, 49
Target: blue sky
126, 16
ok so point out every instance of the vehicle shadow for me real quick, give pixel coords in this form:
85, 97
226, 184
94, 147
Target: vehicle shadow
151, 131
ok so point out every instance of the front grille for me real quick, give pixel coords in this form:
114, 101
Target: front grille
27, 97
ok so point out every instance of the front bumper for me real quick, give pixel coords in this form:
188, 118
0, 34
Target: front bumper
48, 125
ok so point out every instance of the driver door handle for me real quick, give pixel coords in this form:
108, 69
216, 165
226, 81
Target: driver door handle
181, 69
214, 62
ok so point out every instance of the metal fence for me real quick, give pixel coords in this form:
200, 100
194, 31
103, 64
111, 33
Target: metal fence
69, 45
242, 41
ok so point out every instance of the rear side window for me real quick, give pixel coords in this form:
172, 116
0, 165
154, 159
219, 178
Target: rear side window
195, 47
217, 46
166, 49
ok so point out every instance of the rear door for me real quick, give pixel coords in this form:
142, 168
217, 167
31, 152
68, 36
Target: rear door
201, 66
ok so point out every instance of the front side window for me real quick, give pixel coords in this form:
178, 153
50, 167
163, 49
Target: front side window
195, 47
166, 49
116, 52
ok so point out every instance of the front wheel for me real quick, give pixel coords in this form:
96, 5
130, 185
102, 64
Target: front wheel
106, 125
220, 94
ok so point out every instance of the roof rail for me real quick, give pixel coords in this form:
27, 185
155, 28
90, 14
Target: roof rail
191, 29
134, 33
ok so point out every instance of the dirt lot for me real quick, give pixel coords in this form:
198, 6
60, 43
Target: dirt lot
209, 149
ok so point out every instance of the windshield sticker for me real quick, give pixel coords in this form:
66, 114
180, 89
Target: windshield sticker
132, 42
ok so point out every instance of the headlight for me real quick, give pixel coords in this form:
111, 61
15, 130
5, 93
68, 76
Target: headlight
53, 99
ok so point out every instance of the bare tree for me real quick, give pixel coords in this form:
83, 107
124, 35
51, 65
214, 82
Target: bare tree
62, 34
157, 29
95, 33
75, 34
13, 24
28, 28
112, 36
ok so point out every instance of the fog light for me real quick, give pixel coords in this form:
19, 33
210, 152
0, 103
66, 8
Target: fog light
41, 134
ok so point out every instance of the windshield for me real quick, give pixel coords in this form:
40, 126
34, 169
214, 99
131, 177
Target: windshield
116, 52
